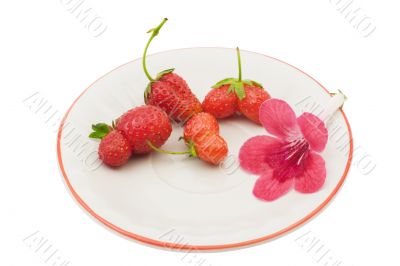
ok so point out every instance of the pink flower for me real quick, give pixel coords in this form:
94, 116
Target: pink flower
290, 159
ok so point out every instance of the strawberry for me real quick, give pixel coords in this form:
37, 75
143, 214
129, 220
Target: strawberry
169, 91
211, 148
201, 134
234, 94
220, 102
114, 148
199, 125
250, 105
142, 124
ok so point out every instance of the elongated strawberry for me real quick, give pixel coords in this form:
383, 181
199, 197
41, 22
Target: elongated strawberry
235, 94
142, 124
114, 149
201, 134
200, 125
169, 91
211, 148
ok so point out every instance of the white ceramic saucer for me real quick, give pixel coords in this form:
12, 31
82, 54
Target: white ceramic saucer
183, 203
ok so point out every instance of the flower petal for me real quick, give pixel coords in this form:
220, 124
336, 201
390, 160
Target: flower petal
314, 131
313, 177
269, 188
253, 153
278, 118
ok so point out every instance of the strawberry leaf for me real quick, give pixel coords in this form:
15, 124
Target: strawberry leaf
247, 82
147, 91
159, 75
239, 89
223, 82
100, 130
101, 127
231, 88
97, 135
252, 83
255, 83
162, 73
192, 149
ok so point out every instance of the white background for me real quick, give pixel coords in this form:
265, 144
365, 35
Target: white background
46, 49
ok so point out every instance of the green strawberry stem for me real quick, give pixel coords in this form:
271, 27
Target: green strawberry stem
191, 150
236, 85
154, 33
239, 64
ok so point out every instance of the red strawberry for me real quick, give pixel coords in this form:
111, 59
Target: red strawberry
220, 102
201, 134
169, 91
234, 95
142, 124
114, 148
211, 148
199, 125
250, 105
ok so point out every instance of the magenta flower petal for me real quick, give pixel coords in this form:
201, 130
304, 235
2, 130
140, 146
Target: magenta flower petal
253, 153
287, 160
313, 130
269, 188
313, 177
290, 159
278, 118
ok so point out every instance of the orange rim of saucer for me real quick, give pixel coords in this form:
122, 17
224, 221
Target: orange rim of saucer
175, 246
